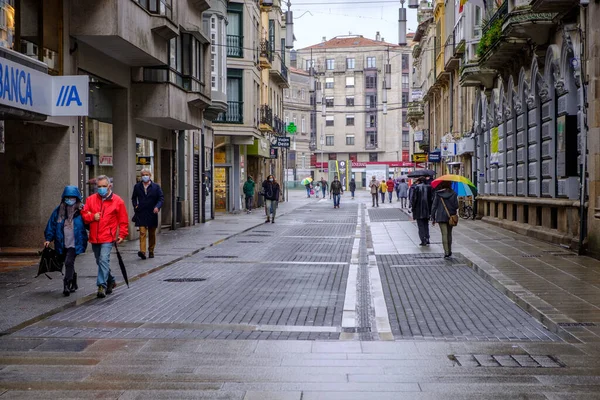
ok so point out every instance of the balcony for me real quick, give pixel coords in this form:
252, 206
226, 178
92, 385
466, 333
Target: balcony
130, 33
235, 46
200, 5
266, 54
371, 142
278, 126
451, 58
266, 119
416, 111
554, 6
234, 113
279, 72
474, 75
199, 93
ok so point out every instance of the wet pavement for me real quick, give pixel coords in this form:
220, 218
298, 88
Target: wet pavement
323, 304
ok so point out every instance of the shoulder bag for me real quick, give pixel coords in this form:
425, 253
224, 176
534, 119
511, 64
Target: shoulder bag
452, 219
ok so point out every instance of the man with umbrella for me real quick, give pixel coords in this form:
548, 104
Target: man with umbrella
106, 214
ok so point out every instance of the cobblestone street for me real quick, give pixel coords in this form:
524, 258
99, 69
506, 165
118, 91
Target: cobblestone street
323, 304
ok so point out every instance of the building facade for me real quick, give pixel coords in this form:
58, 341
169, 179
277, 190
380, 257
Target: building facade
523, 69
256, 76
297, 109
147, 64
362, 91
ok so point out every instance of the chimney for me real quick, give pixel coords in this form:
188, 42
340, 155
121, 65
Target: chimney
324, 39
378, 37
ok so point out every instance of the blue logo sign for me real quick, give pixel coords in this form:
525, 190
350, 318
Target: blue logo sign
435, 156
15, 85
67, 95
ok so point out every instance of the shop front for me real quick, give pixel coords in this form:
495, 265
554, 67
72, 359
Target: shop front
222, 175
259, 164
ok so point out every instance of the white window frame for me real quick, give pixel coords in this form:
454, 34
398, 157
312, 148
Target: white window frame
350, 137
329, 140
303, 126
330, 63
351, 80
371, 62
350, 63
329, 83
353, 119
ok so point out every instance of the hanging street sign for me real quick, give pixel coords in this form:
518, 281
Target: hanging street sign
282, 141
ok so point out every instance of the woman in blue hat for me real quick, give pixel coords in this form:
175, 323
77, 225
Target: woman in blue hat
67, 229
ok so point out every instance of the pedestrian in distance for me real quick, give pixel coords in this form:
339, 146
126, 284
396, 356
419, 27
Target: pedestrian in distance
443, 210
390, 188
402, 192
147, 200
421, 208
308, 187
352, 187
324, 186
248, 190
336, 191
271, 191
383, 190
106, 214
318, 190
66, 229
374, 187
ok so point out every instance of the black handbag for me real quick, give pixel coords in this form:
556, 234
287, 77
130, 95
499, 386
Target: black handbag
50, 261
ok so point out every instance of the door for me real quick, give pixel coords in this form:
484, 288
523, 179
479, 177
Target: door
197, 184
166, 171
221, 189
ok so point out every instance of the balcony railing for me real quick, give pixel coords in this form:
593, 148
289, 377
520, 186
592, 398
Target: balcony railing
235, 46
265, 50
266, 115
284, 70
164, 74
234, 113
371, 142
279, 126
499, 15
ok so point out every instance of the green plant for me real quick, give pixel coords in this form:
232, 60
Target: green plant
489, 38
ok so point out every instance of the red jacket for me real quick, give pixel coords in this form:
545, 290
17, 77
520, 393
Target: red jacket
390, 185
113, 215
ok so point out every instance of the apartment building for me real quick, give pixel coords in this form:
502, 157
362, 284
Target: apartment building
362, 90
518, 72
256, 76
107, 88
297, 109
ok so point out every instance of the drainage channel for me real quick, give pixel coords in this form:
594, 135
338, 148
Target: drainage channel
364, 311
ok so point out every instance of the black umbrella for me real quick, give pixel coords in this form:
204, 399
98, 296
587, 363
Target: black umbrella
421, 172
122, 265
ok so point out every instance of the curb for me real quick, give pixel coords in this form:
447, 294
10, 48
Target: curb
132, 279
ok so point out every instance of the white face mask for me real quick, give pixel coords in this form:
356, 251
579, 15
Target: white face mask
270, 179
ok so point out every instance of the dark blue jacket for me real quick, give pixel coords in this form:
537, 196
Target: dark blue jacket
55, 231
144, 204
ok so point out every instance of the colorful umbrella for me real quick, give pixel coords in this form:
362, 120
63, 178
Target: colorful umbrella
461, 185
307, 180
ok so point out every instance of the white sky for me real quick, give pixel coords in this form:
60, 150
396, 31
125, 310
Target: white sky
332, 18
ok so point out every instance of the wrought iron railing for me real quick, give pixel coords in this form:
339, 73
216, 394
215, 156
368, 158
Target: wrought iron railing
284, 70
265, 50
278, 125
266, 115
499, 15
235, 46
234, 113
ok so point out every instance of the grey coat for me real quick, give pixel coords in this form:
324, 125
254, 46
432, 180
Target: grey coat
438, 212
403, 189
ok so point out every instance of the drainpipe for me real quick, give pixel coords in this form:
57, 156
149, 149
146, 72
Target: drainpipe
583, 125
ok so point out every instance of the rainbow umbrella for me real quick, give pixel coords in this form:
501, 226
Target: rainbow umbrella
461, 185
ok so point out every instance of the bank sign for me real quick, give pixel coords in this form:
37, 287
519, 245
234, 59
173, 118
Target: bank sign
27, 89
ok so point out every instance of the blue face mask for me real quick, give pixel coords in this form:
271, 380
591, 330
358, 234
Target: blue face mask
103, 191
70, 202
145, 178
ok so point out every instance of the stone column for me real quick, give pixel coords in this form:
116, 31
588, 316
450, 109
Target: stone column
593, 135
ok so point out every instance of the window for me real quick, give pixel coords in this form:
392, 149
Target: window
405, 81
350, 120
329, 120
349, 140
235, 35
350, 101
371, 101
373, 156
186, 57
160, 7
329, 82
329, 140
405, 60
477, 26
405, 141
287, 93
349, 81
371, 121
328, 101
350, 63
303, 94
295, 121
371, 62
332, 156
371, 82
330, 62
287, 120
310, 64
353, 157
404, 99
303, 127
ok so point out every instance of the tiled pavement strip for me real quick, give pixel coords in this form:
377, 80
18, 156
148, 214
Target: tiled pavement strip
144, 368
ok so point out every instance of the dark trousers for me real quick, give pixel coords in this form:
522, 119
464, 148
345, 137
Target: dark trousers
423, 225
249, 200
375, 199
69, 263
403, 202
336, 200
382, 197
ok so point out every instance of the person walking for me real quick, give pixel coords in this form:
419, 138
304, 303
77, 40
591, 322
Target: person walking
445, 205
402, 192
324, 186
106, 214
352, 187
248, 190
382, 190
308, 187
336, 191
390, 188
271, 192
421, 208
147, 200
374, 186
318, 190
66, 229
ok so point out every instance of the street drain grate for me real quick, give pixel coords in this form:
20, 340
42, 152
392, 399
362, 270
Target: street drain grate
180, 280
365, 329
254, 235
564, 254
220, 256
531, 255
506, 360
575, 324
249, 241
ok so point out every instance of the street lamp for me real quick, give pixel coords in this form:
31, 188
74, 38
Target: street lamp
402, 24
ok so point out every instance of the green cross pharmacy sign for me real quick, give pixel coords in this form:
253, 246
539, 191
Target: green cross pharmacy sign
291, 128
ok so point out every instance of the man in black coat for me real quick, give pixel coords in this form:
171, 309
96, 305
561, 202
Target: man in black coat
421, 201
147, 201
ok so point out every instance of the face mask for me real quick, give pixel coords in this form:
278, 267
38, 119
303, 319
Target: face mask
145, 178
70, 202
103, 191
270, 179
